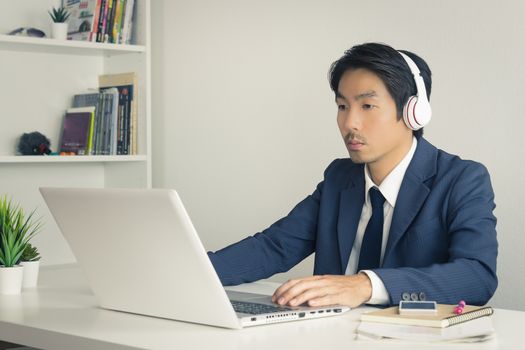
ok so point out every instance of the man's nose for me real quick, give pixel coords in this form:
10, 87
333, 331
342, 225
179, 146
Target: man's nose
351, 121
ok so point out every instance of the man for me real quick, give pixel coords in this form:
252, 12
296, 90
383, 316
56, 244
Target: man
400, 219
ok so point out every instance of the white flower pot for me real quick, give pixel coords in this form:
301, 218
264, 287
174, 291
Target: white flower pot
59, 31
11, 279
30, 273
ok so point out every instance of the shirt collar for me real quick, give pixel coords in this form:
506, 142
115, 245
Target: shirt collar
390, 186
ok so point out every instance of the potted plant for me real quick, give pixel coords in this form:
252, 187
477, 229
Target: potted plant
30, 260
59, 26
16, 229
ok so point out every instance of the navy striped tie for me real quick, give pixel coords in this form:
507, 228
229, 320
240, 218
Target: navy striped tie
370, 255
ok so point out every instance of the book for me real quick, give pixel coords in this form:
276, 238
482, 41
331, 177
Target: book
92, 99
111, 121
102, 20
127, 21
77, 130
94, 30
445, 316
117, 23
82, 19
127, 131
109, 21
100, 16
477, 330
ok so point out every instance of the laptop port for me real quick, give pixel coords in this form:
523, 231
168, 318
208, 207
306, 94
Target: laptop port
337, 310
253, 319
301, 314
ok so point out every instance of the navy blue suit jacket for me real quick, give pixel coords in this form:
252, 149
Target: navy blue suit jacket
442, 239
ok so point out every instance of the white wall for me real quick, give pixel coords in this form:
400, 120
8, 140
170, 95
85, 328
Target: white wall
244, 120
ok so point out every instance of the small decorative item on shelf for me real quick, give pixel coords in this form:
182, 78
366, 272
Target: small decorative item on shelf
30, 260
16, 230
59, 25
26, 31
33, 144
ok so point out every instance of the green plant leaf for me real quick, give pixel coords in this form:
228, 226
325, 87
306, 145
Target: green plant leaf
16, 230
59, 15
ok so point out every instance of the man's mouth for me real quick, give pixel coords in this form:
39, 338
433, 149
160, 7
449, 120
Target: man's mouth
354, 145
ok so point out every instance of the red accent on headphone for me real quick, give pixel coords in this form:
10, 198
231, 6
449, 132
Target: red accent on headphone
408, 111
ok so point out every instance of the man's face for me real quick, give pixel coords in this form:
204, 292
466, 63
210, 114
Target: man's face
367, 119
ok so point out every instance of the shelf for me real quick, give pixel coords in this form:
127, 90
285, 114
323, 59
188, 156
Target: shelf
71, 159
22, 43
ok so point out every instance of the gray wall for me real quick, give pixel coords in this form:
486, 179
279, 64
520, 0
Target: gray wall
244, 120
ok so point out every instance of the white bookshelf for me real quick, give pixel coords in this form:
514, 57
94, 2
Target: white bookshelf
68, 47
39, 78
71, 159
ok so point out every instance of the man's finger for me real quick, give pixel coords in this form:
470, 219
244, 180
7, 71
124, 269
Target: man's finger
283, 288
297, 289
289, 284
316, 291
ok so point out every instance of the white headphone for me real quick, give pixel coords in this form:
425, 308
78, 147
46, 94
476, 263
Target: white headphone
416, 112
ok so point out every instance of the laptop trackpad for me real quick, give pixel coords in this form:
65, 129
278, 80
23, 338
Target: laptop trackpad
250, 297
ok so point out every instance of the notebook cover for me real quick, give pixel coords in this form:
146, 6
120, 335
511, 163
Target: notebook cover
445, 316
77, 130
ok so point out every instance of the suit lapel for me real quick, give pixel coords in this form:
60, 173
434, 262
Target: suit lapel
412, 194
350, 207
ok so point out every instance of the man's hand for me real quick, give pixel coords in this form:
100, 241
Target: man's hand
352, 291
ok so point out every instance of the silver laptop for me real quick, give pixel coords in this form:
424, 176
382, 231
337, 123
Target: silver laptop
141, 254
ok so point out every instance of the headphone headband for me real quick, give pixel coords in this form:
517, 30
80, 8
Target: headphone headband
416, 112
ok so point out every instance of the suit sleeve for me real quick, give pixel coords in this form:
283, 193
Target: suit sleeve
276, 249
470, 272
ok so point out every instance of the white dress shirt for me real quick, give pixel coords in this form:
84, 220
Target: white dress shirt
389, 188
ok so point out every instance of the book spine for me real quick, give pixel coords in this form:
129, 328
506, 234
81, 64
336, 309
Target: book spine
122, 112
98, 120
114, 128
127, 119
111, 20
107, 24
124, 117
134, 120
100, 124
107, 123
89, 148
126, 30
122, 22
117, 21
94, 28
100, 26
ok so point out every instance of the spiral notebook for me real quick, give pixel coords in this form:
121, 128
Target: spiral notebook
445, 316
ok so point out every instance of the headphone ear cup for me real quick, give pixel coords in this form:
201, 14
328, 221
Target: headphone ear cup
416, 113
408, 113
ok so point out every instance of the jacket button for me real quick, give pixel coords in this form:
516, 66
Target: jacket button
405, 296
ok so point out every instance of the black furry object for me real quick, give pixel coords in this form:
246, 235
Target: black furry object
33, 144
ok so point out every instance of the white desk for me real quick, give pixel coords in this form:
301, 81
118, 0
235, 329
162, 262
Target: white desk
62, 314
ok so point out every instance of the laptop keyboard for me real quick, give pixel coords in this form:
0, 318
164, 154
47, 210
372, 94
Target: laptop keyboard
256, 308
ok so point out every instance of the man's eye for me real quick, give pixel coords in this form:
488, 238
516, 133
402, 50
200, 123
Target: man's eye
342, 107
367, 106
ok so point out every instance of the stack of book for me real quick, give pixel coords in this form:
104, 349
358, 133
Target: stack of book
105, 21
473, 325
103, 122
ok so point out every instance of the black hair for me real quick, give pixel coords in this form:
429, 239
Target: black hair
389, 66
